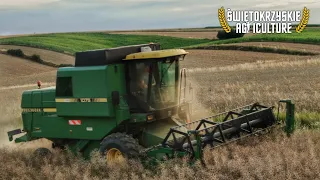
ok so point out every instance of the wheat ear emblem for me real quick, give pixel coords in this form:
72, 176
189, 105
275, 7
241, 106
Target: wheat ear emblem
223, 22
304, 20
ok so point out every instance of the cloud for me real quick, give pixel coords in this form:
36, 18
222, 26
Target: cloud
5, 4
178, 9
89, 15
287, 5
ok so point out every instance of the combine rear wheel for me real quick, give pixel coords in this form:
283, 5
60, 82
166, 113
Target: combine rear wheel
119, 146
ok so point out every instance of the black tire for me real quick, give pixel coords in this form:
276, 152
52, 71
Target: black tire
128, 146
42, 152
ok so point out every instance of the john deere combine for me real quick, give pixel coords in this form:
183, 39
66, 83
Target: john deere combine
129, 101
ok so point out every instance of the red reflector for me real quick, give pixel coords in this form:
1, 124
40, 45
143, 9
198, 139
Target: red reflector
39, 84
74, 122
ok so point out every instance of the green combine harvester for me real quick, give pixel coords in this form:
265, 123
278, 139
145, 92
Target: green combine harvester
133, 102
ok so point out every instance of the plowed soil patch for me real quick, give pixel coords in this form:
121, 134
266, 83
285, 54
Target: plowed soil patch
283, 45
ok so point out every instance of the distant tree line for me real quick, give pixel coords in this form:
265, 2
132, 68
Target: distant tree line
232, 34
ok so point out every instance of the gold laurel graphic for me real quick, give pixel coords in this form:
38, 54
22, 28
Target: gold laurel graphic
223, 22
304, 20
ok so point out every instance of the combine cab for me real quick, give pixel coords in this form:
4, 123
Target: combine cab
129, 101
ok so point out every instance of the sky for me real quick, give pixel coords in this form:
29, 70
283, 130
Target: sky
45, 16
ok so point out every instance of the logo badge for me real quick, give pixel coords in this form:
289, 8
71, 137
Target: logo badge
263, 22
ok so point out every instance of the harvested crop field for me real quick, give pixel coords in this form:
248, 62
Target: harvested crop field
12, 66
1, 37
29, 80
282, 45
10, 111
10, 98
219, 58
268, 157
223, 80
46, 55
16, 71
18, 75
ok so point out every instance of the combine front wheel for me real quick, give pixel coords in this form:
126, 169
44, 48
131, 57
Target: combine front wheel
118, 147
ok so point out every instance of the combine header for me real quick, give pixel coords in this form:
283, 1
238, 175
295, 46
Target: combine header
132, 101
191, 138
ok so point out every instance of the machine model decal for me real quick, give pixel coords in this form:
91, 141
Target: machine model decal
60, 100
39, 110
